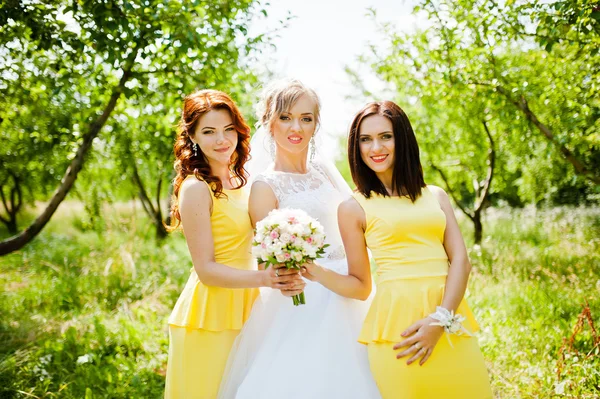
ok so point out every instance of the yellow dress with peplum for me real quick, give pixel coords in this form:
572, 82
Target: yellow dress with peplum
406, 240
206, 320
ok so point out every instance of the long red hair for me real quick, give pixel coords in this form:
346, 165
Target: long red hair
194, 106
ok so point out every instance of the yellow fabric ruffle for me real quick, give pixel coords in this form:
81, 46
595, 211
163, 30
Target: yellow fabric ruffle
399, 303
212, 308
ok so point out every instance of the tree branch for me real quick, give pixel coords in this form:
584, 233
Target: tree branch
158, 208
490, 172
451, 192
18, 241
523, 105
148, 207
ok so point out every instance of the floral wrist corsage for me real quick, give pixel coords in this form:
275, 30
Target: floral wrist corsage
452, 323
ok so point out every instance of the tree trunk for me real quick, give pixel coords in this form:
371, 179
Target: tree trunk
154, 212
13, 205
481, 193
478, 233
170, 196
18, 241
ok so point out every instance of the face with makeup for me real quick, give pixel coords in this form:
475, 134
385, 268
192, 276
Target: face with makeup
216, 136
377, 144
293, 129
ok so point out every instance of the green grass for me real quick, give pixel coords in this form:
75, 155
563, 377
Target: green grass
84, 306
100, 297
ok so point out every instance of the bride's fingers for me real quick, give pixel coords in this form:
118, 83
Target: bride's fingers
294, 287
287, 272
284, 286
286, 280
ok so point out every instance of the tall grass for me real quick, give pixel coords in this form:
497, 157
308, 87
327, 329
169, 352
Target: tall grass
84, 306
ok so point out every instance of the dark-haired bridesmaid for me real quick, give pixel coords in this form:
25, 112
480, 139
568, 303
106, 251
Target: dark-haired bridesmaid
419, 328
211, 204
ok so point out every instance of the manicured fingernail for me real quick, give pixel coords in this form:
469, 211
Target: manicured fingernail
404, 334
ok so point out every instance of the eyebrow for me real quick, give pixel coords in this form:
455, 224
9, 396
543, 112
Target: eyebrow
384, 132
288, 112
213, 128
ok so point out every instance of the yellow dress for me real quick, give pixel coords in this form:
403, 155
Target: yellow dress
206, 320
406, 240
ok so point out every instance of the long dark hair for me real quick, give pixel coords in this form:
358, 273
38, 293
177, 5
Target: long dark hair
186, 163
407, 178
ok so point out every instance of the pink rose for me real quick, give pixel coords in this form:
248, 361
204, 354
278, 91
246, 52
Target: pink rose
274, 234
263, 245
309, 240
287, 256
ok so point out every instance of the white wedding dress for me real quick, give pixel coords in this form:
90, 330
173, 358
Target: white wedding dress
308, 351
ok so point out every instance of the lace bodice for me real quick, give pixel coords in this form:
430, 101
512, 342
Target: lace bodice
314, 193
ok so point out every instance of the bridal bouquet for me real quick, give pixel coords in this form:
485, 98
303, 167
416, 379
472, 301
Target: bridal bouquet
288, 238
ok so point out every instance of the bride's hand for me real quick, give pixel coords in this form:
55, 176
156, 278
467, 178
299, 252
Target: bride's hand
288, 281
310, 271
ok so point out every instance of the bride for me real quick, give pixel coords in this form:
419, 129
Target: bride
308, 351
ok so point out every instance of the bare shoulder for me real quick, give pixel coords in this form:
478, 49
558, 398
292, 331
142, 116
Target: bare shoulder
194, 193
439, 193
194, 188
261, 189
351, 209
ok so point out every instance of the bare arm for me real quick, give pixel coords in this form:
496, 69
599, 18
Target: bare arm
422, 332
262, 201
357, 284
454, 244
195, 207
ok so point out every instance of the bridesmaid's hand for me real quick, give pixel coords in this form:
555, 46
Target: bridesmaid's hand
422, 342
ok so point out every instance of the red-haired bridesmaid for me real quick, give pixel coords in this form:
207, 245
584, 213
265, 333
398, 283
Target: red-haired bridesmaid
211, 204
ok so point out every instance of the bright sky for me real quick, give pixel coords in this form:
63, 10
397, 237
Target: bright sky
323, 38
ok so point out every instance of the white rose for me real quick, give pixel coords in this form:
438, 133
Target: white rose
285, 238
264, 254
297, 256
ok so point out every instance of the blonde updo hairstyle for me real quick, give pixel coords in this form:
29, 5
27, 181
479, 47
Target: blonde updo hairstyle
279, 97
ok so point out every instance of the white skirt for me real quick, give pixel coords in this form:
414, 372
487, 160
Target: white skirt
306, 352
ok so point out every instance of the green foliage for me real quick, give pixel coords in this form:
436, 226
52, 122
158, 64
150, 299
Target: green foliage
533, 276
61, 60
529, 69
85, 313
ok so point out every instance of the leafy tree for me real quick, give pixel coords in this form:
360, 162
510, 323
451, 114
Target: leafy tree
107, 57
526, 72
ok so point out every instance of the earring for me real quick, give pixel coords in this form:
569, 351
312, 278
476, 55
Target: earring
195, 148
272, 147
313, 148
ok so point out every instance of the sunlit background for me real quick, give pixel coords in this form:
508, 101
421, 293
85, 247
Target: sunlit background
504, 98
